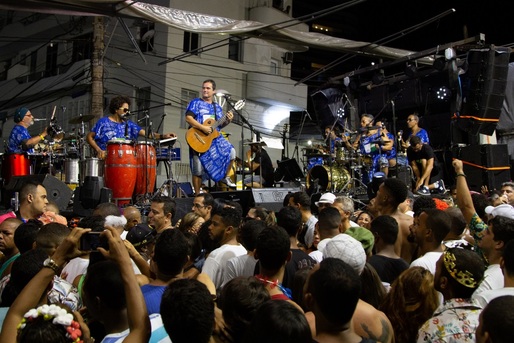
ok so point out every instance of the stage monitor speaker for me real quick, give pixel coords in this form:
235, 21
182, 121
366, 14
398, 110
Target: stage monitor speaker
271, 198
403, 173
56, 190
85, 208
183, 206
183, 189
484, 89
244, 198
485, 164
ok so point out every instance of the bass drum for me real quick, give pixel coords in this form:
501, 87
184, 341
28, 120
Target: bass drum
337, 180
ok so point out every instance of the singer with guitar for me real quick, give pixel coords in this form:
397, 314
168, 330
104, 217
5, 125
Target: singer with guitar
209, 151
117, 125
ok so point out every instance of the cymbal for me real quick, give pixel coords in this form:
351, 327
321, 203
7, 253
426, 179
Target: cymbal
81, 119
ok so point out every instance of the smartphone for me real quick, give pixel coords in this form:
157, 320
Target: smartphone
90, 241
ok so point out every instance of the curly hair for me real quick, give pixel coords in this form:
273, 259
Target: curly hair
411, 302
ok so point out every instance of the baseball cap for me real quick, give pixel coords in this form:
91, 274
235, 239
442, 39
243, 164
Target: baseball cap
504, 210
140, 234
327, 198
363, 235
347, 249
19, 114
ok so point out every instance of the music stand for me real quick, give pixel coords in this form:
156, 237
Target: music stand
170, 184
291, 170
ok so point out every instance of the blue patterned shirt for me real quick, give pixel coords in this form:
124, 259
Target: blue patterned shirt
18, 135
203, 110
423, 135
106, 129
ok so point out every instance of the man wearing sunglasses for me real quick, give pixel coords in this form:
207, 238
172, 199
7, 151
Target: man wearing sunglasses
117, 125
20, 139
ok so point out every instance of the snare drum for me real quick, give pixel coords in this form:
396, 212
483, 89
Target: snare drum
121, 170
15, 165
146, 168
338, 179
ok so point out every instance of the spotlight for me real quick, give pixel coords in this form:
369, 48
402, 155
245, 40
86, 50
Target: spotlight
443, 93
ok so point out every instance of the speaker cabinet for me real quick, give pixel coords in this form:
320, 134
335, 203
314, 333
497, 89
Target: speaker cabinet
485, 165
484, 89
57, 191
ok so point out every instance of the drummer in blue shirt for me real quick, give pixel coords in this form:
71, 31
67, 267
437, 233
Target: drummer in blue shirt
117, 126
20, 140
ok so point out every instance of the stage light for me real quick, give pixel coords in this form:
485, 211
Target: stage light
443, 93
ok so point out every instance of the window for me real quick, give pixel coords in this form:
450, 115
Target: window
51, 59
191, 42
146, 42
273, 67
235, 49
186, 96
82, 46
143, 97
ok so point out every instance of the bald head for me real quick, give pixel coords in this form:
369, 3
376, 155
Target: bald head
133, 217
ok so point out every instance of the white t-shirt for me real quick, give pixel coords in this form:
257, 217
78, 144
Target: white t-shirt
159, 334
75, 267
243, 265
216, 262
427, 261
493, 279
485, 297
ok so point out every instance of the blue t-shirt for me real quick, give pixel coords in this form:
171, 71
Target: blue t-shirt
18, 134
106, 129
153, 296
203, 110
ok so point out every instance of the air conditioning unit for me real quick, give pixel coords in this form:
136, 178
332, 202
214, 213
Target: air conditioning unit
287, 58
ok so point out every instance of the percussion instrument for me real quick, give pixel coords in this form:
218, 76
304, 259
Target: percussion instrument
121, 170
92, 167
336, 179
146, 174
71, 170
15, 165
55, 131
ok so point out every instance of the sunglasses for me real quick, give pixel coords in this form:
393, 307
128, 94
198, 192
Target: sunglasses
124, 109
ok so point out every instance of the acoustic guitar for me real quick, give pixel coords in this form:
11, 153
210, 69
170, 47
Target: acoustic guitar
200, 141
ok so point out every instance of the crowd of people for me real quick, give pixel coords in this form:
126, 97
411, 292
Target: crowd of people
406, 268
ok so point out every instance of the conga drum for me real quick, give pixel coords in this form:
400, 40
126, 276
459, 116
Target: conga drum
146, 168
15, 165
120, 170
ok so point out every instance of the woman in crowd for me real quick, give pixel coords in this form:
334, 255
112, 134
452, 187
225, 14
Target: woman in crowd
410, 302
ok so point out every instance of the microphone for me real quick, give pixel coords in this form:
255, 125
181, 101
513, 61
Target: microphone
308, 115
144, 118
37, 119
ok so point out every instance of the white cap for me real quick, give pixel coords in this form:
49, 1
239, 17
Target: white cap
504, 210
347, 249
327, 198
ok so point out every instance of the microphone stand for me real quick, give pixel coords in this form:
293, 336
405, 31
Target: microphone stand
250, 127
296, 151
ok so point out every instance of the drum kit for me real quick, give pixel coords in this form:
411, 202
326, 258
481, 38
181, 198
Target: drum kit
340, 171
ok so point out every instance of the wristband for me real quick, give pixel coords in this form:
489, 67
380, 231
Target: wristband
42, 137
460, 174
